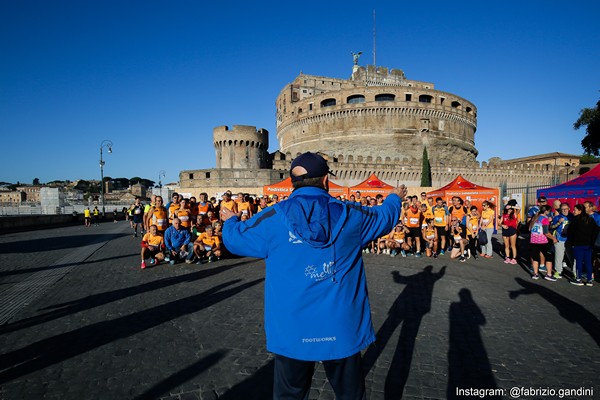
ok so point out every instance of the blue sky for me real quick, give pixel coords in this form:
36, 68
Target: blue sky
156, 77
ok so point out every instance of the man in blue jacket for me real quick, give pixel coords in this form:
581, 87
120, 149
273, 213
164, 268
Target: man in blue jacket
178, 242
316, 302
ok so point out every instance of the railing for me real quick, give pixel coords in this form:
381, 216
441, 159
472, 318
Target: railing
529, 193
37, 209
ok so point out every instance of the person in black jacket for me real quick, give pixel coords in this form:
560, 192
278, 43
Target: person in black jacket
581, 235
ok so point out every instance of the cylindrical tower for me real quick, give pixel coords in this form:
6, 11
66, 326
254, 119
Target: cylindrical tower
378, 114
242, 147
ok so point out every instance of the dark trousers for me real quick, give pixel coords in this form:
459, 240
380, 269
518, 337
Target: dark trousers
293, 378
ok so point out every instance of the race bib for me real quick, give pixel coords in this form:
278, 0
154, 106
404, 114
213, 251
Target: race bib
457, 238
537, 229
414, 221
439, 220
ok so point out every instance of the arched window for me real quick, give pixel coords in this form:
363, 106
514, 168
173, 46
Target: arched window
469, 110
328, 103
455, 104
385, 97
355, 98
425, 98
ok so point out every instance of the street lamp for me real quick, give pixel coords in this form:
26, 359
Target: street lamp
108, 144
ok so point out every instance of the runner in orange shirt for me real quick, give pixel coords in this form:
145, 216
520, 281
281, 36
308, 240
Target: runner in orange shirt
226, 202
152, 247
397, 240
244, 206
173, 206
207, 246
184, 214
430, 237
158, 215
413, 223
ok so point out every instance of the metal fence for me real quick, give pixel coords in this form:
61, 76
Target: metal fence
529, 193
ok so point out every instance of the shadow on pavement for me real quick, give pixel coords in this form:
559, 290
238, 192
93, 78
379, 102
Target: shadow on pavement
38, 269
258, 386
567, 308
409, 309
97, 300
468, 363
183, 376
56, 243
61, 347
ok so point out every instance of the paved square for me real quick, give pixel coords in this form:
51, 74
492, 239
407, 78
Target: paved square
82, 321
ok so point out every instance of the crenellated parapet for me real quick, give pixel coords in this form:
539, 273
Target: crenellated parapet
242, 146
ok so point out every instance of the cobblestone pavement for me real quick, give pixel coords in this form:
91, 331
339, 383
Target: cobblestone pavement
101, 328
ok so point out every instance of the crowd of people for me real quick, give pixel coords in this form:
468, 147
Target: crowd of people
189, 230
562, 238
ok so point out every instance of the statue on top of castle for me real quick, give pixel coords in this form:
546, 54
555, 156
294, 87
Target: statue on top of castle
356, 56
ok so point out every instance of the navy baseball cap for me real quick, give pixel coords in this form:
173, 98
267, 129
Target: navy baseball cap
314, 164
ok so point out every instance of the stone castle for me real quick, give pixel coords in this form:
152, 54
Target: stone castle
375, 122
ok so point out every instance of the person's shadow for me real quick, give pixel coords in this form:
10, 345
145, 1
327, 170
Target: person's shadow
409, 308
567, 308
468, 363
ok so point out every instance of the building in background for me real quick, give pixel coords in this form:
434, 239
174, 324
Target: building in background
377, 121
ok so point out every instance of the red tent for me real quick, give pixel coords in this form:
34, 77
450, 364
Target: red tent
371, 186
585, 187
285, 188
467, 191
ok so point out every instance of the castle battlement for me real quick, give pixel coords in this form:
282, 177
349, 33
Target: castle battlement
243, 146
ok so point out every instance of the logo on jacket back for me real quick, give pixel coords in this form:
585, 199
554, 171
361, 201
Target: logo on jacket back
320, 274
293, 239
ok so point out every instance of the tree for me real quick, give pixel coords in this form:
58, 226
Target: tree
426, 172
83, 185
590, 118
588, 159
36, 181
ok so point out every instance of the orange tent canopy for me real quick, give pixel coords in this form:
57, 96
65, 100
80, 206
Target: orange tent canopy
285, 188
467, 191
371, 186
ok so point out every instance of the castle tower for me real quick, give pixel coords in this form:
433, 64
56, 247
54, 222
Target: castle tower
377, 114
242, 147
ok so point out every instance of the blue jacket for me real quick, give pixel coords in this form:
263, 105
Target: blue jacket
174, 238
560, 231
316, 302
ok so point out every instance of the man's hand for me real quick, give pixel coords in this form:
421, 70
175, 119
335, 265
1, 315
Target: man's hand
401, 191
226, 213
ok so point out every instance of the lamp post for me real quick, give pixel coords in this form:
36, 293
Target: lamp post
108, 144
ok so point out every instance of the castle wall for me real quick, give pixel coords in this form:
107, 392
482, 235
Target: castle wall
216, 181
352, 173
